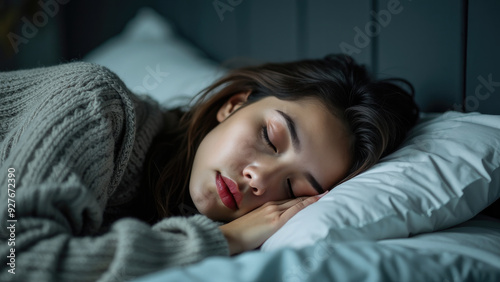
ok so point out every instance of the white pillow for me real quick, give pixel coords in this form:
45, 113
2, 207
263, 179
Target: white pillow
447, 171
151, 59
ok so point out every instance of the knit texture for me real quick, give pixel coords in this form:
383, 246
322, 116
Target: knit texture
77, 139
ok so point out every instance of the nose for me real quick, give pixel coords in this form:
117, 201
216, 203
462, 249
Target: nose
261, 177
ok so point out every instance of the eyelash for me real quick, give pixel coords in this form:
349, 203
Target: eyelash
265, 136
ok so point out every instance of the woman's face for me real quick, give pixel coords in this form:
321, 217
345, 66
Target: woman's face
267, 151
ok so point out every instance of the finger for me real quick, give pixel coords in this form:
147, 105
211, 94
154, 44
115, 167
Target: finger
286, 204
298, 206
290, 202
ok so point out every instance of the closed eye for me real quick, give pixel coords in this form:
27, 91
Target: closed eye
265, 136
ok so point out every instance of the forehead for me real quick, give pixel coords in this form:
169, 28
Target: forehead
325, 139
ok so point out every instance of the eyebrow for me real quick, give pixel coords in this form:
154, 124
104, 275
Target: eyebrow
296, 145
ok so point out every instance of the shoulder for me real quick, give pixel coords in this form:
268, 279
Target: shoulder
28, 87
87, 77
90, 89
82, 70
75, 118
87, 93
57, 93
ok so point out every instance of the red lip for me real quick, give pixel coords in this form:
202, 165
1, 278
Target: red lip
228, 191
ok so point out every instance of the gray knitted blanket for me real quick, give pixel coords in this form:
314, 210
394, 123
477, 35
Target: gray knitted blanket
72, 142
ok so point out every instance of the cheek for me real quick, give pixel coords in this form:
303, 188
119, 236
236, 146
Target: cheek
238, 152
229, 148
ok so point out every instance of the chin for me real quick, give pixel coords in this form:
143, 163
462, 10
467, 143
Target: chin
214, 215
209, 206
218, 215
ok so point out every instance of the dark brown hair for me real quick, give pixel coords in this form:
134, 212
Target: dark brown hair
377, 112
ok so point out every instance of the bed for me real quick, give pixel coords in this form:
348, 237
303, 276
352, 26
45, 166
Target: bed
415, 216
427, 212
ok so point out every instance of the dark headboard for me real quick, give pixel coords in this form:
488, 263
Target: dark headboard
448, 49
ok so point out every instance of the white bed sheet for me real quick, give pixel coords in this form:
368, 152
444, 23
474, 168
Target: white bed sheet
467, 252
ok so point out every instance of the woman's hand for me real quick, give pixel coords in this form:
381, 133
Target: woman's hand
252, 229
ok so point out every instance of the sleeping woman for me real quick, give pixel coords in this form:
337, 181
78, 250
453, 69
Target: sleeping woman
110, 186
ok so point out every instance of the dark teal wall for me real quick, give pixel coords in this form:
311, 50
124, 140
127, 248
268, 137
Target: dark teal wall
483, 57
448, 49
